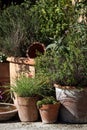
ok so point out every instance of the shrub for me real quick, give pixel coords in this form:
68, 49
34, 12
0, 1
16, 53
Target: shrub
3, 57
68, 65
51, 19
66, 59
13, 30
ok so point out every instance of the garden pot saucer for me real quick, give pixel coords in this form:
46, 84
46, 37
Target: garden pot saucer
7, 111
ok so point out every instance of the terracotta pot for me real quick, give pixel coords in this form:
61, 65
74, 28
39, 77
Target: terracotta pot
20, 65
49, 113
74, 105
4, 74
27, 109
34, 49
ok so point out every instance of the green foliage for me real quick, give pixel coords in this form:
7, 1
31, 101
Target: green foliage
68, 66
43, 20
50, 19
81, 9
26, 87
66, 58
5, 95
46, 100
46, 64
6, 3
3, 57
13, 30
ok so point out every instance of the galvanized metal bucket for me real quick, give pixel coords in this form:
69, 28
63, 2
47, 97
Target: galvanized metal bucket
74, 104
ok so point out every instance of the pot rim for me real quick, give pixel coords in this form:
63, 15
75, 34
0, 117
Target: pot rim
11, 111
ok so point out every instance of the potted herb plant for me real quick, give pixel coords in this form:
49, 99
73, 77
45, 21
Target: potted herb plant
48, 108
68, 67
71, 88
28, 90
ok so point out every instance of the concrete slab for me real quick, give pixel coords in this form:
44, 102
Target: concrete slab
40, 126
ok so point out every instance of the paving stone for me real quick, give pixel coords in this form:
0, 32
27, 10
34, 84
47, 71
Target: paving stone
40, 126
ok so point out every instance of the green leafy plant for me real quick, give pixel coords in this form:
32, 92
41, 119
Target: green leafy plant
65, 60
50, 19
5, 95
13, 30
67, 67
27, 86
3, 57
44, 21
46, 100
16, 29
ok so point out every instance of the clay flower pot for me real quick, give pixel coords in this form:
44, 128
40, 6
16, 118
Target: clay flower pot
4, 73
34, 49
49, 112
27, 109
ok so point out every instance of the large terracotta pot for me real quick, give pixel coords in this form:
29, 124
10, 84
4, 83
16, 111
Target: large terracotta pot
49, 113
4, 81
20, 65
4, 73
27, 109
74, 104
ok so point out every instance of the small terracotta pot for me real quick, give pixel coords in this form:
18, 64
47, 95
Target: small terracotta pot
49, 113
27, 109
34, 49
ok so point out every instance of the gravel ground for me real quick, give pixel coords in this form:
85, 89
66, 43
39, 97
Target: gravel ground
40, 126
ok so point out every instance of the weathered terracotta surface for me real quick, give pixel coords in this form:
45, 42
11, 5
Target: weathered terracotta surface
4, 73
27, 108
49, 113
34, 49
74, 105
20, 65
21, 60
